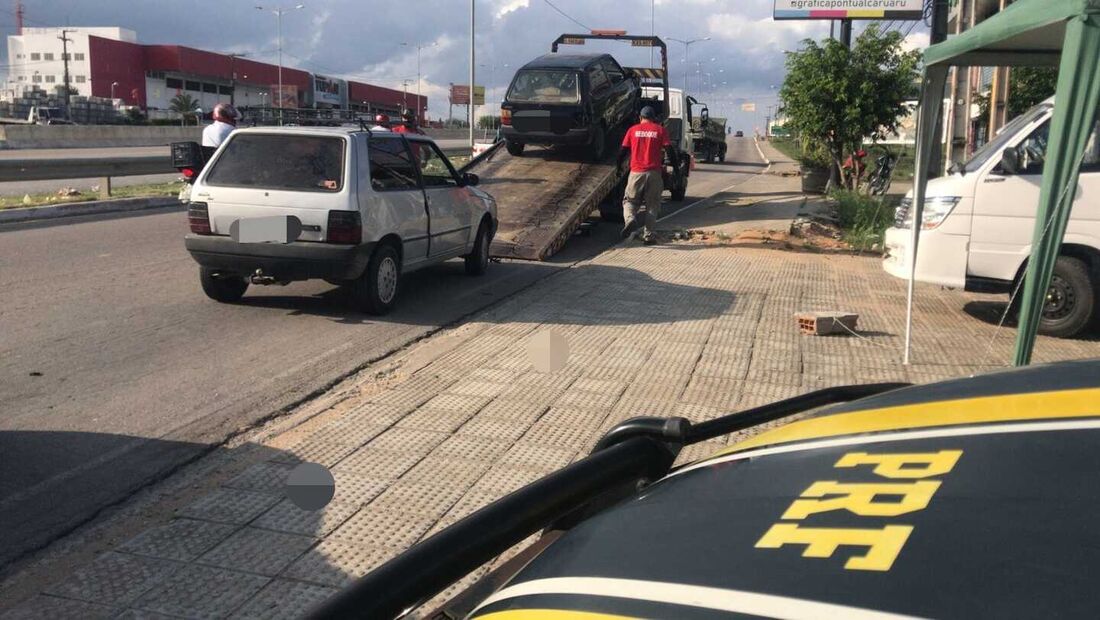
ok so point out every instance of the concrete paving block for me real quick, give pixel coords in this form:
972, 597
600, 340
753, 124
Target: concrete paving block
311, 450
547, 380
378, 463
653, 387
262, 477
500, 430
230, 506
503, 479
114, 579
377, 528
572, 438
472, 501
573, 418
577, 399
351, 431
422, 499
777, 377
470, 449
475, 387
722, 369
436, 420
401, 399
283, 599
611, 373
427, 381
180, 539
419, 441
460, 473
261, 551
286, 517
720, 393
537, 457
49, 607
531, 393
357, 489
468, 405
602, 386
202, 592
493, 375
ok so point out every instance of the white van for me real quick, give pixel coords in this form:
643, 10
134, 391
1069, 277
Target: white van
978, 223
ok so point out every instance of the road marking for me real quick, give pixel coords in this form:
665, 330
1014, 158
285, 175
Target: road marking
718, 599
702, 200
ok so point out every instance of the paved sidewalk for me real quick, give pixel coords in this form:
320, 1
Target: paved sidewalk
463, 418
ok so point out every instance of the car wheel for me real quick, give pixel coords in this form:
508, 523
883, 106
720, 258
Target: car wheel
514, 148
375, 292
224, 288
1069, 301
477, 261
599, 144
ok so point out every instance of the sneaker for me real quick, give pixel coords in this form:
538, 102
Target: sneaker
630, 227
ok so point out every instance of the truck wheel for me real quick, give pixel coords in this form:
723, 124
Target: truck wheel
722, 153
477, 261
680, 190
1070, 299
514, 148
225, 288
375, 292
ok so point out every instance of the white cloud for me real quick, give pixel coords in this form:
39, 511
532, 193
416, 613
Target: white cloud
504, 7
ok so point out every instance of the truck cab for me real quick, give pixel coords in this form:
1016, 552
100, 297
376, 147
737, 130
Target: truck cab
978, 223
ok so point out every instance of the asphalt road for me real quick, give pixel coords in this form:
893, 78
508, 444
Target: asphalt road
104, 329
19, 188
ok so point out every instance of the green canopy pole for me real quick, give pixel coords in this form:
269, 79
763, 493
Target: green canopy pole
1075, 112
928, 114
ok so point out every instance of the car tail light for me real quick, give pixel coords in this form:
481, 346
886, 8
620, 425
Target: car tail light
199, 218
506, 117
344, 227
189, 174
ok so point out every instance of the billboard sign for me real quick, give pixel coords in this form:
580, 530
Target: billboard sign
288, 98
460, 95
331, 91
748, 107
849, 9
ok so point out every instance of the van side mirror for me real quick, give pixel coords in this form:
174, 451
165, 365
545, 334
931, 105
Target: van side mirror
470, 179
1010, 161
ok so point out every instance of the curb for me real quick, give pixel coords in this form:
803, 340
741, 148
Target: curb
48, 212
756, 143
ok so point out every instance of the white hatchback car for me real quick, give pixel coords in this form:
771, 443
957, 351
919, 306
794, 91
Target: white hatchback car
352, 207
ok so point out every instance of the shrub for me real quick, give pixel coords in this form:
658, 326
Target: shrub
864, 219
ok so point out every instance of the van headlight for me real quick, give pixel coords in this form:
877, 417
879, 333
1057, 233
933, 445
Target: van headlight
936, 210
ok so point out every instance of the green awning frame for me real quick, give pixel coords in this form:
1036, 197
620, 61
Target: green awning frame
1064, 33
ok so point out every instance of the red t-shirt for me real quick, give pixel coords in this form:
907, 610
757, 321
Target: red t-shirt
407, 129
645, 141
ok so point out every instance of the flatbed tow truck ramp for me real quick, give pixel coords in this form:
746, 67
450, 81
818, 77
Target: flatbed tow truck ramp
542, 197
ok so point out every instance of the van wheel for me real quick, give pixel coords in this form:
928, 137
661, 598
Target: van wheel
375, 292
477, 261
224, 288
514, 148
1070, 299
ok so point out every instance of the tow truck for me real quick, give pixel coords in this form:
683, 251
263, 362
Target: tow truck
543, 198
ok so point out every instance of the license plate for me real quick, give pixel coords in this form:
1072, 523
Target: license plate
275, 229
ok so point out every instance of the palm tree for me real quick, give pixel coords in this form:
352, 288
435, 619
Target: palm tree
185, 105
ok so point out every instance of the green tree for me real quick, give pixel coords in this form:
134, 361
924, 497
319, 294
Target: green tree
185, 105
836, 99
488, 122
1029, 86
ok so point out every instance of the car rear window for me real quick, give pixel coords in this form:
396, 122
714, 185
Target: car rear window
545, 86
286, 162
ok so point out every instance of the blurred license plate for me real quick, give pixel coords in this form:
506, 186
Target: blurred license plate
275, 229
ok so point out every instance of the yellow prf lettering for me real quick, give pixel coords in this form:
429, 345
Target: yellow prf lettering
919, 465
883, 545
860, 498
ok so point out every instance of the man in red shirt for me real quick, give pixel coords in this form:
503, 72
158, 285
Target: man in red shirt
408, 124
644, 145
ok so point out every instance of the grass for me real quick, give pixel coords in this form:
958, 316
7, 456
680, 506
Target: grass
787, 146
862, 218
130, 191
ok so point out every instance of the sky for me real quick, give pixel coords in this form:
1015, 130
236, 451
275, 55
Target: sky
375, 42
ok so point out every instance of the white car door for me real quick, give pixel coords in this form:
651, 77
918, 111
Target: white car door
395, 202
448, 202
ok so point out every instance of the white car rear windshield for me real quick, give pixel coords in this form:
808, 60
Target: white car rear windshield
282, 162
545, 86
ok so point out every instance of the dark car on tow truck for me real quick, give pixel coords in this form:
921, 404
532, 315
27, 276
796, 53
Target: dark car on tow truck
569, 99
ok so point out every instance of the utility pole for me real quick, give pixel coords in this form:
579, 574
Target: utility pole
233, 77
473, 69
419, 47
279, 34
687, 43
846, 33
65, 60
940, 10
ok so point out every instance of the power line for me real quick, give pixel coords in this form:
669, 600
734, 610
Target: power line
566, 15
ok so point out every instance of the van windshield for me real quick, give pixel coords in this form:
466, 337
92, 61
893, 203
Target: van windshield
545, 86
1010, 131
280, 161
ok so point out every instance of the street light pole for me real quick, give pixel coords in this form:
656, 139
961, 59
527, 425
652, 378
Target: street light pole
233, 77
687, 43
419, 47
278, 11
473, 69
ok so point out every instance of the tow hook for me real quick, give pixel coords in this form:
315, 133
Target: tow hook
259, 277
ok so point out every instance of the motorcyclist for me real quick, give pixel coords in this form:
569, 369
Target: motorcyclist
408, 124
381, 123
225, 121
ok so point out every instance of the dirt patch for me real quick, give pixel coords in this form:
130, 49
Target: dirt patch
814, 236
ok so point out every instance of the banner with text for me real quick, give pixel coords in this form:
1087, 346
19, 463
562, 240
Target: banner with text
849, 9
460, 95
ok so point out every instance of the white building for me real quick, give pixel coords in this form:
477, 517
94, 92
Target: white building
36, 58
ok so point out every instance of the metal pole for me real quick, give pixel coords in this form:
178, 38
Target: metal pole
65, 59
473, 68
938, 35
418, 111
846, 33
